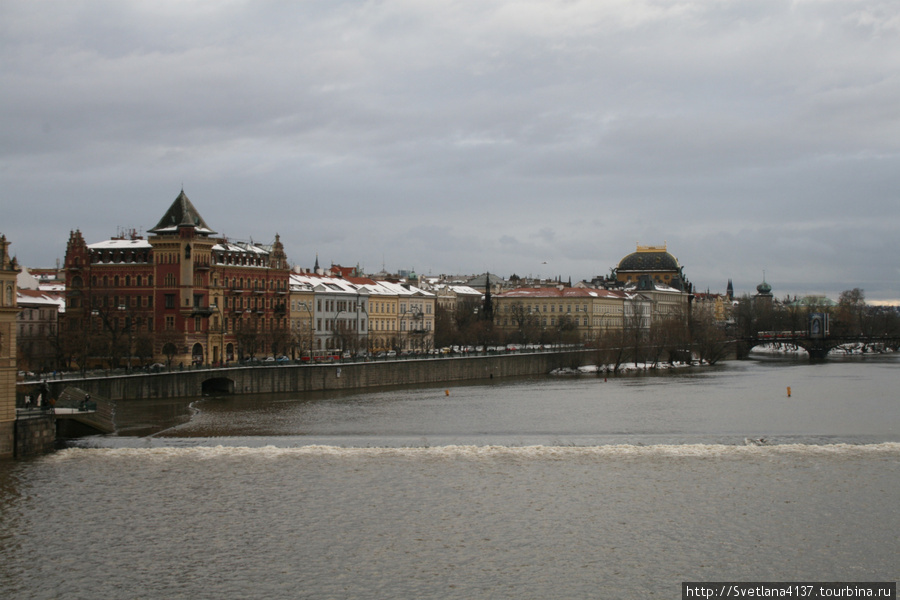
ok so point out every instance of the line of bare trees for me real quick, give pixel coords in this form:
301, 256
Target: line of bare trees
850, 317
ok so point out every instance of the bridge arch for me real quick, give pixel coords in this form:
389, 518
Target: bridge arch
217, 385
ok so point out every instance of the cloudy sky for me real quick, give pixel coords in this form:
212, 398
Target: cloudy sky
531, 137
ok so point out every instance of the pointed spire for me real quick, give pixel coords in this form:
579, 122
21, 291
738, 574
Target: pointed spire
181, 214
488, 310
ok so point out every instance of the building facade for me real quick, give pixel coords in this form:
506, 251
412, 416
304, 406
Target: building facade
8, 369
345, 314
182, 295
551, 314
38, 337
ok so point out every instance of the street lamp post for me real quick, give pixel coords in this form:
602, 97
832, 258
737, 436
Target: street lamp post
311, 334
360, 305
128, 330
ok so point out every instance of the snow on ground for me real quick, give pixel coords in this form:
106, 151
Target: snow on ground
630, 367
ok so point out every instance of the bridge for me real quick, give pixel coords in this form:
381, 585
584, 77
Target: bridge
74, 412
817, 347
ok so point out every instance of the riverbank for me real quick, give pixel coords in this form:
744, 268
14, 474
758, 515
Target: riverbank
320, 377
630, 367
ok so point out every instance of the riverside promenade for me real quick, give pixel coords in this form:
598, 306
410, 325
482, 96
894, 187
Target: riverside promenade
290, 378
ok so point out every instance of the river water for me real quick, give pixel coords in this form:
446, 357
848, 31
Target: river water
546, 487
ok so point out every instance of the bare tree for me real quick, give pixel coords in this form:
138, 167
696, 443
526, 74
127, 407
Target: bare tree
528, 324
710, 340
670, 337
611, 348
850, 312
170, 340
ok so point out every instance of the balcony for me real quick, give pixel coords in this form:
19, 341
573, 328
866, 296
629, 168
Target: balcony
201, 311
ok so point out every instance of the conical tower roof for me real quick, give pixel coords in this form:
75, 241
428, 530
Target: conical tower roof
181, 214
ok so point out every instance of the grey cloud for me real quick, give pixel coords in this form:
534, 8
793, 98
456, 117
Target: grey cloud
469, 135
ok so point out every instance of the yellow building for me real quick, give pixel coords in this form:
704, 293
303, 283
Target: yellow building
551, 313
384, 308
302, 305
401, 316
8, 311
714, 307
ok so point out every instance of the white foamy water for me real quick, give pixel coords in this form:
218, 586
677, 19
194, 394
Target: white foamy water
478, 452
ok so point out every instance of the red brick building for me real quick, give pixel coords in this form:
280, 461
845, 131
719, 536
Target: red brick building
181, 295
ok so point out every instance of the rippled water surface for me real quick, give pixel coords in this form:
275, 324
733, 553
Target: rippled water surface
540, 488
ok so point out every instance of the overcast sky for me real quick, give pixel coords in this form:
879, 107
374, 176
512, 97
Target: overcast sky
530, 137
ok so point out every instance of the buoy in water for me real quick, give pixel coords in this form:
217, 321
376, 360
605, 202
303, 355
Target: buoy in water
446, 392
789, 391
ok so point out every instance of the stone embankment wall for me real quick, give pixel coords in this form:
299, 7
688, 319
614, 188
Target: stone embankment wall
7, 439
35, 436
336, 376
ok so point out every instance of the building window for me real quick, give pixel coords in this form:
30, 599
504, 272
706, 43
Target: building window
170, 300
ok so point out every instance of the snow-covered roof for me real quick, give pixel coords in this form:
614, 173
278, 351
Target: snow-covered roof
460, 290
181, 214
322, 284
119, 244
657, 287
241, 247
39, 299
557, 293
353, 285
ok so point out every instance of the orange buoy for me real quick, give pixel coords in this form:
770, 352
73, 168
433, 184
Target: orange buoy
789, 391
